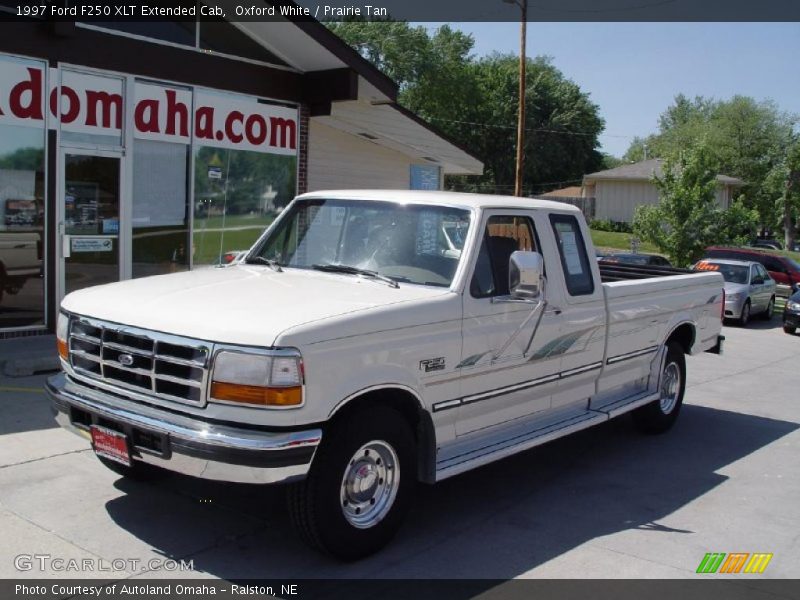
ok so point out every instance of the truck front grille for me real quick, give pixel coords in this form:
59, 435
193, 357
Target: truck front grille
148, 362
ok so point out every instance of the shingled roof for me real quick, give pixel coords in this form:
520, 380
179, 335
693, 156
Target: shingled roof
644, 171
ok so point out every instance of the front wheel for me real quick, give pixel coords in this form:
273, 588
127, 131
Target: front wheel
661, 414
360, 485
744, 319
789, 328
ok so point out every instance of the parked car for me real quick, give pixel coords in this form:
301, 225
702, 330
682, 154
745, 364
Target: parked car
791, 313
749, 290
649, 260
367, 356
784, 270
232, 257
770, 244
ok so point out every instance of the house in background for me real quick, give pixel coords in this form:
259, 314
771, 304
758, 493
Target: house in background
573, 195
618, 191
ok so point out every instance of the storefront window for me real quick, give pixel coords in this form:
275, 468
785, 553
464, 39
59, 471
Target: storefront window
237, 194
21, 225
160, 207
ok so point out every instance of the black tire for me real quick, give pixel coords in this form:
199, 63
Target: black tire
789, 329
138, 471
767, 314
660, 415
315, 504
744, 319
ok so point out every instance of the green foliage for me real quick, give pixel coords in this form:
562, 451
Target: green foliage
746, 138
608, 225
687, 219
23, 159
474, 102
249, 176
783, 184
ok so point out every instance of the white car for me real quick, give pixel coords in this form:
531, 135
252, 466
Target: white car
364, 352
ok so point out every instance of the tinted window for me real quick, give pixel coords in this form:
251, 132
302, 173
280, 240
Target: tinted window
572, 251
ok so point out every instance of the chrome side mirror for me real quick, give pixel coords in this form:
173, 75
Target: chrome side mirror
525, 275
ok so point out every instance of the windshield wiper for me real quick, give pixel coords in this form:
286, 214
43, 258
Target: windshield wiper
260, 260
330, 268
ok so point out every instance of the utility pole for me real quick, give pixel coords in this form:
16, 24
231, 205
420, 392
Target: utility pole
523, 5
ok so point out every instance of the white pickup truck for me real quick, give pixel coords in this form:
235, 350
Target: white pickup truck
372, 340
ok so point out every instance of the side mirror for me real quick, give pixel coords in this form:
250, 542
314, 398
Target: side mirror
525, 275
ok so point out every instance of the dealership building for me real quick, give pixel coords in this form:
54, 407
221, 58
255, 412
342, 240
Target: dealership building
135, 149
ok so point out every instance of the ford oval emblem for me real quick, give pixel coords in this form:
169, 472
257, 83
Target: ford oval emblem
125, 360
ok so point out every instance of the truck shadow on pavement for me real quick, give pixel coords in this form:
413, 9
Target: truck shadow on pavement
497, 522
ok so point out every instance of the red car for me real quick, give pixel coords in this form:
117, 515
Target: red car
782, 269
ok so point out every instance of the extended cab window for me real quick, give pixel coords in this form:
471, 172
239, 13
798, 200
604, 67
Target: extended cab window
572, 250
503, 236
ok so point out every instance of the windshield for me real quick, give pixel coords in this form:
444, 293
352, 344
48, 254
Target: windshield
730, 273
408, 243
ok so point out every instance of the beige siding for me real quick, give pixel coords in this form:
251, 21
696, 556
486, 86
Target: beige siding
339, 160
616, 200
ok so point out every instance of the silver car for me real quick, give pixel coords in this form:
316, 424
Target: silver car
749, 290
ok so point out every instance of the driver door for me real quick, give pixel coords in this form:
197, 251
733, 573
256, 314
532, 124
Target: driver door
499, 379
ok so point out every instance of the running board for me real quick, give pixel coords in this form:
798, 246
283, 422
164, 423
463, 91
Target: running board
507, 447
546, 432
627, 404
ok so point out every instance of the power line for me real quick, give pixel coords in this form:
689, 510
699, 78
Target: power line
533, 130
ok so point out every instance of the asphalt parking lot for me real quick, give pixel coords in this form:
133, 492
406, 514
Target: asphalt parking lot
604, 503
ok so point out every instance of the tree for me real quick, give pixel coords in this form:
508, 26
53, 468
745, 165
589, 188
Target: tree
783, 184
687, 219
746, 138
474, 102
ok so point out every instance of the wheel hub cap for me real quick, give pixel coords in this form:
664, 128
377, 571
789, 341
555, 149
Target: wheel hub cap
369, 485
670, 387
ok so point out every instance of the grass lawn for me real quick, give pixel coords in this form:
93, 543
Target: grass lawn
612, 240
207, 244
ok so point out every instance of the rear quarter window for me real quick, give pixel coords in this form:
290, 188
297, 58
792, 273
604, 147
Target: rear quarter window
572, 250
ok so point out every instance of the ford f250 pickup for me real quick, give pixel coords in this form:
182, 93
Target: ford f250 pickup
372, 340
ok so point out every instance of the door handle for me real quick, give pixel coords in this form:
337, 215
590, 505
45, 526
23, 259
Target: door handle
553, 310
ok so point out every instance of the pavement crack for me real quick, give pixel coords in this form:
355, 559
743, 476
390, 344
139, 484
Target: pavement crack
33, 460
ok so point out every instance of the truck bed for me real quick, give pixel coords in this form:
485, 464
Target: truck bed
613, 271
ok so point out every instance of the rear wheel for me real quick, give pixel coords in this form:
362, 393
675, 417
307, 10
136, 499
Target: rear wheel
767, 315
660, 415
360, 485
744, 319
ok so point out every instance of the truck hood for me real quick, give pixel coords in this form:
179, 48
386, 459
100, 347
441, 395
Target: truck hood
243, 304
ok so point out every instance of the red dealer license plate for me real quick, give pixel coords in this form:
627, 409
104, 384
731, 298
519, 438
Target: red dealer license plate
111, 444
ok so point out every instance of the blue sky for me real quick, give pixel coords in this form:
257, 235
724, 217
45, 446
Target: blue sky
634, 70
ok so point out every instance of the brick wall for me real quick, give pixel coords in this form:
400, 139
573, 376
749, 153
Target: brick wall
302, 154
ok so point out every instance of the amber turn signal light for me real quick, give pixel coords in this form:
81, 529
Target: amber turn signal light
63, 351
257, 395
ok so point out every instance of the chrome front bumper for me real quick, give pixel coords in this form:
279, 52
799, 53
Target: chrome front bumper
184, 444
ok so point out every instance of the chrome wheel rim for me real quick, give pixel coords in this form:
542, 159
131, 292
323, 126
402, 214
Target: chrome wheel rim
670, 387
369, 486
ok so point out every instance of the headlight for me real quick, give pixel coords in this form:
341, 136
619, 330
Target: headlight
793, 305
258, 379
733, 297
62, 331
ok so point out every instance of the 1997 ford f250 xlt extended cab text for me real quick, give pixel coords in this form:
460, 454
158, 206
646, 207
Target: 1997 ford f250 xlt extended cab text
372, 340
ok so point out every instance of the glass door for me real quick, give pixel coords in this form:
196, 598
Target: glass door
90, 211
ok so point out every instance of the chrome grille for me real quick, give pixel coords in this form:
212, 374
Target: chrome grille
165, 366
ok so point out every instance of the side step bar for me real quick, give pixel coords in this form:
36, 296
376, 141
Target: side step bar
540, 434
